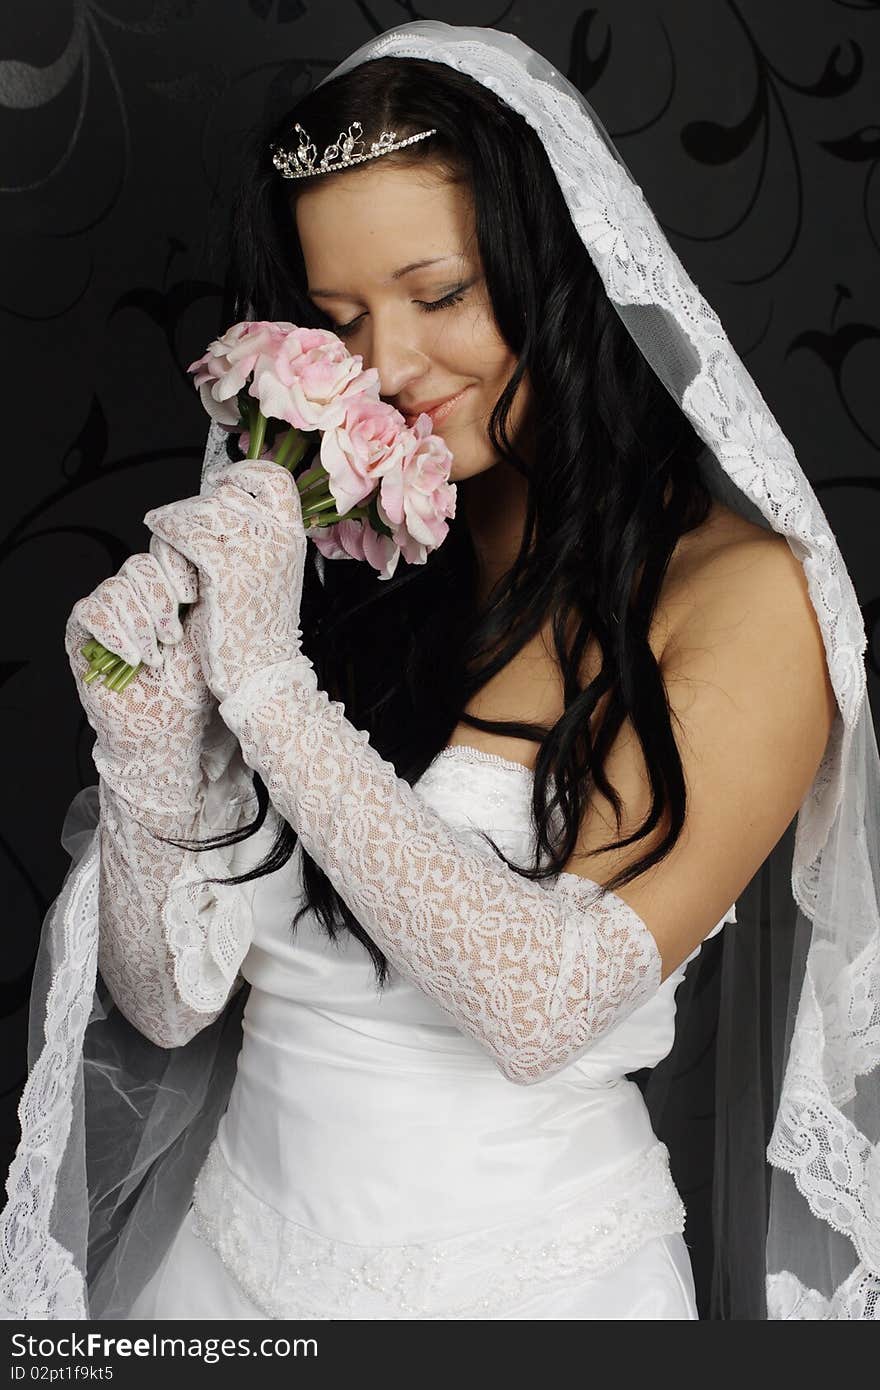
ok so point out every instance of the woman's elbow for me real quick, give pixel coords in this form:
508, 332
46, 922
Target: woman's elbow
167, 1031
524, 1065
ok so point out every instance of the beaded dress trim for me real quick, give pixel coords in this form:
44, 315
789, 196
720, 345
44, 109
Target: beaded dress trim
290, 1271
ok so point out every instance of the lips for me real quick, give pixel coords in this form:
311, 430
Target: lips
437, 409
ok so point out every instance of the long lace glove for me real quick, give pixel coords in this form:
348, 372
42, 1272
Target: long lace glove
534, 974
169, 947
249, 535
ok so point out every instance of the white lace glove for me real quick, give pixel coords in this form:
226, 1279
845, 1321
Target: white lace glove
161, 751
252, 550
149, 736
534, 973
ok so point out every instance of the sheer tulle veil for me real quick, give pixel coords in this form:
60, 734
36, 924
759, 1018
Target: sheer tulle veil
115, 1129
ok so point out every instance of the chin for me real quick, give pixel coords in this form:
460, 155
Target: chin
468, 457
464, 468
461, 469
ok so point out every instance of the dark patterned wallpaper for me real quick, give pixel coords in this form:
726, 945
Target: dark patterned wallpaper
750, 127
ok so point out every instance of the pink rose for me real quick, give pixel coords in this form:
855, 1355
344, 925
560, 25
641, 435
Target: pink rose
309, 380
329, 540
223, 370
366, 445
381, 552
417, 499
354, 540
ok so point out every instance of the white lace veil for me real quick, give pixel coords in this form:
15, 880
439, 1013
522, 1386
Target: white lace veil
114, 1129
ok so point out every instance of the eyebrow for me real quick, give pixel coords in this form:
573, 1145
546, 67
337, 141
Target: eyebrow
395, 275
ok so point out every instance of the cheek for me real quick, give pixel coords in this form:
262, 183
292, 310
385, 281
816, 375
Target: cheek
497, 360
474, 346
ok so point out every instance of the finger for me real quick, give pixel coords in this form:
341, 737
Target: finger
174, 523
252, 474
182, 673
75, 638
175, 520
117, 617
157, 596
198, 637
181, 574
269, 484
199, 528
190, 527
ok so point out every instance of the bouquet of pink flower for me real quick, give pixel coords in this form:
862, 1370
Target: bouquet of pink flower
378, 489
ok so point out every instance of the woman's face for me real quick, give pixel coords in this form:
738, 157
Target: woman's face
391, 256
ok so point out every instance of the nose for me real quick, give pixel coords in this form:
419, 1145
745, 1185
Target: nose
397, 358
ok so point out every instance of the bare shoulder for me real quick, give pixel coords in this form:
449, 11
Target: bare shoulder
740, 585
731, 566
751, 707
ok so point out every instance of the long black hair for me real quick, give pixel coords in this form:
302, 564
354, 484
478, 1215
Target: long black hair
618, 484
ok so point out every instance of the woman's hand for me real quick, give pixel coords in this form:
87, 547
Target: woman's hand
151, 735
248, 542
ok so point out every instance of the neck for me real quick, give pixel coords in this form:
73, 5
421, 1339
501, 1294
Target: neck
495, 504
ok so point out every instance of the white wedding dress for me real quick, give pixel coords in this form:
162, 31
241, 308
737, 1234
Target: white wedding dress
374, 1162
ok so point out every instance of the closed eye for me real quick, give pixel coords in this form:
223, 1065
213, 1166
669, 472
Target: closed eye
428, 306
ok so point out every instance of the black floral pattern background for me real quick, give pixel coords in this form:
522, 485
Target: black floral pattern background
751, 129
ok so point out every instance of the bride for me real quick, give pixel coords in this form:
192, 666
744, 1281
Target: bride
409, 871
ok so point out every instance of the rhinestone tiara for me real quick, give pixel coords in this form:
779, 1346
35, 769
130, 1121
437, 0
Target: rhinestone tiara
349, 148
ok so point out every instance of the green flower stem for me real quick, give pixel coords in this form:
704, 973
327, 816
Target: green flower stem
115, 681
116, 672
327, 519
93, 675
293, 446
311, 476
127, 680
320, 505
92, 650
257, 431
104, 663
312, 486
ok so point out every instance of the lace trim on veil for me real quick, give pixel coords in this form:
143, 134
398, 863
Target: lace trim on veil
39, 1275
857, 1298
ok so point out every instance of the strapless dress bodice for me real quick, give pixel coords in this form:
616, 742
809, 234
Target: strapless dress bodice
370, 1146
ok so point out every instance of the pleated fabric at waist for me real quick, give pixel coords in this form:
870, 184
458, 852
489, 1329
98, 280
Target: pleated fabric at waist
385, 1133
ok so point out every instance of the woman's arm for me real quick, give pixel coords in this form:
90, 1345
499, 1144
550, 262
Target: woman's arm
170, 943
534, 973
